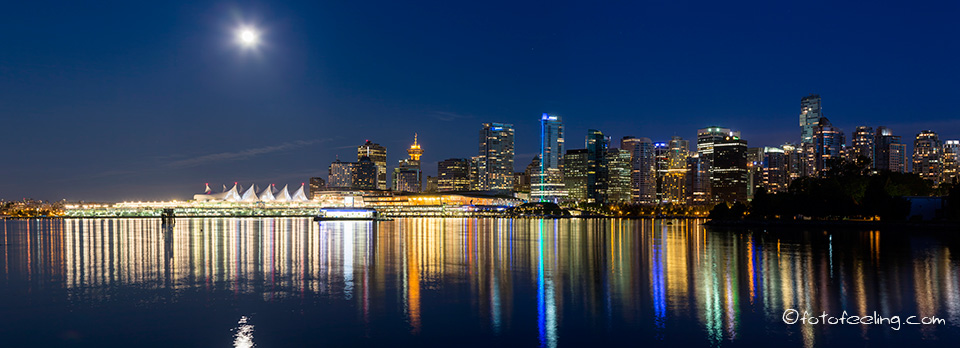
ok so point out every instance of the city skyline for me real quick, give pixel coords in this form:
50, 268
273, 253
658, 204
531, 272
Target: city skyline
157, 109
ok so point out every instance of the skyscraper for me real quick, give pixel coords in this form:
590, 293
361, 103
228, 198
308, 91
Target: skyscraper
862, 143
618, 178
340, 174
547, 184
776, 175
495, 161
661, 153
643, 178
754, 170
810, 115
829, 144
596, 144
453, 174
674, 183
317, 184
697, 177
365, 174
951, 161
793, 156
407, 175
728, 174
927, 156
359, 175
575, 174
889, 151
706, 138
378, 155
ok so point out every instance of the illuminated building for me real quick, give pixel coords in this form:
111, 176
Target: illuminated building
378, 155
475, 173
662, 167
596, 144
862, 143
453, 174
927, 156
706, 138
754, 170
889, 152
728, 173
523, 181
249, 195
618, 178
776, 175
792, 156
407, 175
546, 185
674, 181
317, 185
828, 144
432, 185
575, 175
810, 114
340, 174
495, 160
360, 175
951, 162
643, 178
697, 176
412, 204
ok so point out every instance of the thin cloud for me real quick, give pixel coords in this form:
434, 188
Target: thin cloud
238, 155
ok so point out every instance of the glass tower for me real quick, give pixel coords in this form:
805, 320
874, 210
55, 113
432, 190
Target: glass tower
495, 159
546, 185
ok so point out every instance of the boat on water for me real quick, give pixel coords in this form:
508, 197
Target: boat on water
338, 213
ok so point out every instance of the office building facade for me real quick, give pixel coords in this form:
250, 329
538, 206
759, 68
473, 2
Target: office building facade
495, 158
618, 178
643, 184
378, 155
889, 152
575, 170
453, 175
546, 185
728, 173
927, 156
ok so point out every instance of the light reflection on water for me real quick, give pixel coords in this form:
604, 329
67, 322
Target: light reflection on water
416, 280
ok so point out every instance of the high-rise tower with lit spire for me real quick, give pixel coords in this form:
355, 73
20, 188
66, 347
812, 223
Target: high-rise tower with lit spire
406, 178
415, 151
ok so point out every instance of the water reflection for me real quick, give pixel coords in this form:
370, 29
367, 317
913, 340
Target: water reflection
638, 279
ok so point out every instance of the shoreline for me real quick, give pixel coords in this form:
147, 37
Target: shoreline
850, 224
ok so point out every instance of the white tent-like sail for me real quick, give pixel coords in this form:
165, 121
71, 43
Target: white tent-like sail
250, 195
238, 193
283, 195
298, 196
267, 194
230, 195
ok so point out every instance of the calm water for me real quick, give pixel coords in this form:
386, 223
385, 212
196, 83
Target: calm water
472, 282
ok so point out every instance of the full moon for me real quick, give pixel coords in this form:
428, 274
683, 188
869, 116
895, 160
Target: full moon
248, 37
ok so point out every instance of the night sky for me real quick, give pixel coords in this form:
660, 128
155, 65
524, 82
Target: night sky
133, 100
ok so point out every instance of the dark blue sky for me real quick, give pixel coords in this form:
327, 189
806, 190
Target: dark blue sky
149, 100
